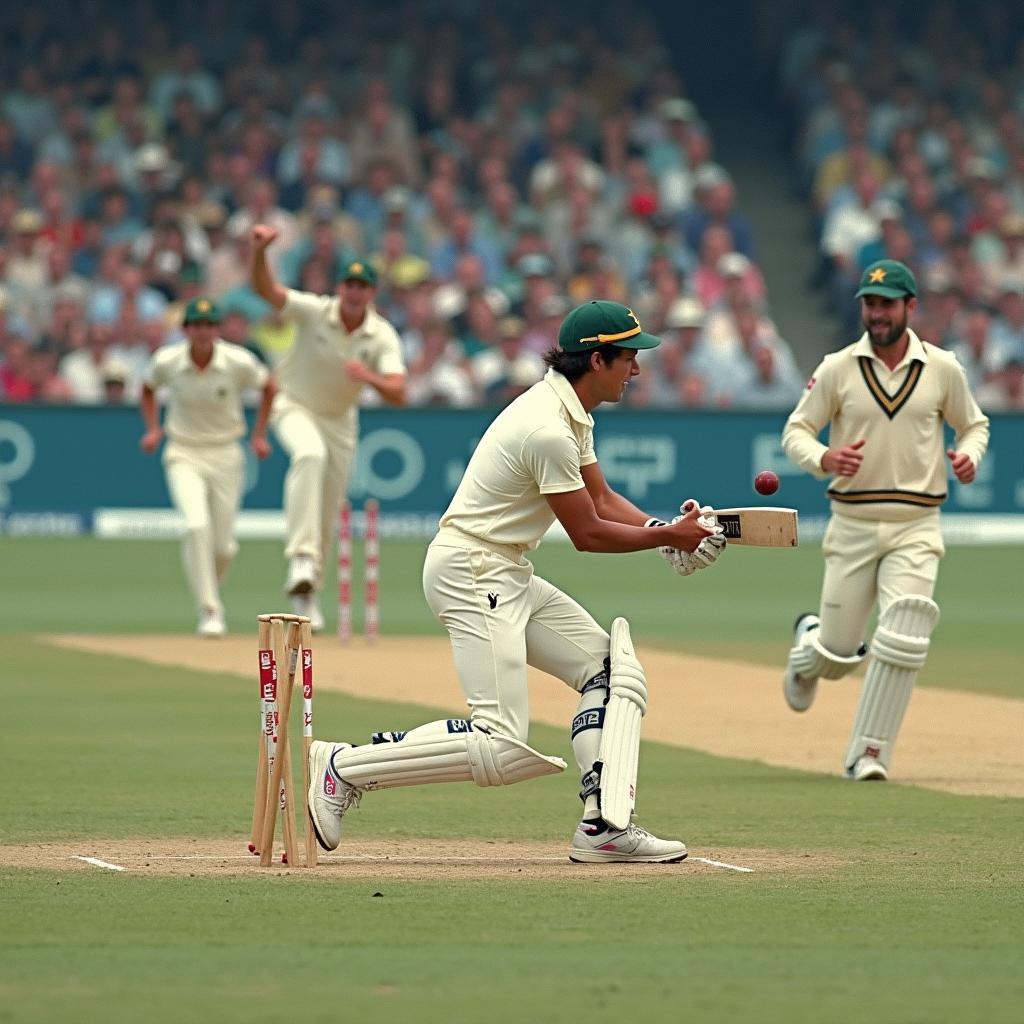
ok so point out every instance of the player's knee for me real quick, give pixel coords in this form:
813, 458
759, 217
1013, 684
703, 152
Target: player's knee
904, 632
314, 459
495, 723
497, 759
811, 659
626, 678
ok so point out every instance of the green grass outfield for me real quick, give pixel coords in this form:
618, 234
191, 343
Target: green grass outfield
910, 908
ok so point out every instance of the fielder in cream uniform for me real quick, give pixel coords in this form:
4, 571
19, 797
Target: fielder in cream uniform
203, 380
886, 398
534, 464
341, 345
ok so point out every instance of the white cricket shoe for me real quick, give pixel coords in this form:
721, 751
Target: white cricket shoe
308, 604
211, 623
596, 842
301, 575
329, 797
799, 692
867, 769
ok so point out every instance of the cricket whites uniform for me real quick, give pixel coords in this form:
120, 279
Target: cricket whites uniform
501, 618
499, 614
883, 539
316, 413
203, 462
884, 531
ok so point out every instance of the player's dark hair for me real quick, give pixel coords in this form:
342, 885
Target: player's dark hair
573, 365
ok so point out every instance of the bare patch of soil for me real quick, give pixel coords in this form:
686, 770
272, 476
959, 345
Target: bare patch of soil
953, 741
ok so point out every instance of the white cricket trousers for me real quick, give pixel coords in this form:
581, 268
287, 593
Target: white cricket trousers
500, 618
321, 451
865, 559
205, 484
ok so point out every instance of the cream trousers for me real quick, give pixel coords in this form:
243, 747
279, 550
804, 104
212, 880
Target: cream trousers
500, 618
205, 484
321, 452
867, 560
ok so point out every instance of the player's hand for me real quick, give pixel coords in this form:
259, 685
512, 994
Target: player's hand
260, 446
688, 530
263, 235
358, 371
151, 440
963, 467
707, 552
843, 461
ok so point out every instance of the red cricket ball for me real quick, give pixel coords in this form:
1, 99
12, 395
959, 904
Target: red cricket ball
766, 482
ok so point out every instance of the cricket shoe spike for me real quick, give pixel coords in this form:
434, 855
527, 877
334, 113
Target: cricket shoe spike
596, 842
329, 797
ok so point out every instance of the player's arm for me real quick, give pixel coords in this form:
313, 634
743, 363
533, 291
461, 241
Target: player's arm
390, 386
588, 531
800, 434
262, 278
962, 413
258, 437
151, 418
609, 504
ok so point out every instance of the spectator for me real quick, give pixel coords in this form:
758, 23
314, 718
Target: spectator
438, 375
16, 381
715, 204
109, 302
970, 344
1007, 335
507, 368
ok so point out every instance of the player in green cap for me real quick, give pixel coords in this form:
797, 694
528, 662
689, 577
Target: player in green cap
203, 379
535, 464
886, 398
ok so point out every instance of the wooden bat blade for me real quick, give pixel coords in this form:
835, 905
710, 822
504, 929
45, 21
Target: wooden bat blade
759, 526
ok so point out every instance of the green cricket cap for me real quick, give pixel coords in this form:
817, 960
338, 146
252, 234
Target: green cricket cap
603, 322
359, 270
888, 278
202, 308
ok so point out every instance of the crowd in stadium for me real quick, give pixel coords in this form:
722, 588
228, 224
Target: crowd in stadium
496, 171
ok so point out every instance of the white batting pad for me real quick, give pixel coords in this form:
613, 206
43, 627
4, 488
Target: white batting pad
620, 738
898, 652
447, 751
810, 659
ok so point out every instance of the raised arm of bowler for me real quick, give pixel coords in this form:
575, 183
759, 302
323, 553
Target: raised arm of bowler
535, 463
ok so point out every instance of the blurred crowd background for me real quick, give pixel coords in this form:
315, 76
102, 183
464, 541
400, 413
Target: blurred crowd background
498, 164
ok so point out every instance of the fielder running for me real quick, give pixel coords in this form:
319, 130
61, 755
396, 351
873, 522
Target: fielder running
341, 344
534, 464
204, 378
886, 397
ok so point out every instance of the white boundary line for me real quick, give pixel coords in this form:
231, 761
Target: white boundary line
96, 862
722, 864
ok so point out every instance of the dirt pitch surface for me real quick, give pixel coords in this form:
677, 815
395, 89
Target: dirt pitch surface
958, 742
384, 860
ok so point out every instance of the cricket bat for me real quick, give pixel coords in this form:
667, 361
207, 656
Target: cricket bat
759, 526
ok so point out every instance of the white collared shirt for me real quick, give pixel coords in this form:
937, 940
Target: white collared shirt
312, 373
537, 445
204, 406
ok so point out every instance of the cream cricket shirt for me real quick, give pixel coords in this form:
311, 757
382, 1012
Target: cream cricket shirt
204, 407
535, 446
899, 414
312, 372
